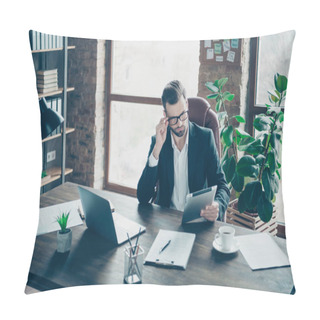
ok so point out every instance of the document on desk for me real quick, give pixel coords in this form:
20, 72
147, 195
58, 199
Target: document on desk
171, 249
262, 252
47, 217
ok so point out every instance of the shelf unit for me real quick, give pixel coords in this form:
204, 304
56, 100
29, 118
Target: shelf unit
60, 172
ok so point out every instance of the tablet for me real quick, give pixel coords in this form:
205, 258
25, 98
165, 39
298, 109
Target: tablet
196, 201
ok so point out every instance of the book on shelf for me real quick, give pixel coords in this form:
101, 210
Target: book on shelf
47, 85
43, 41
48, 90
45, 81
47, 72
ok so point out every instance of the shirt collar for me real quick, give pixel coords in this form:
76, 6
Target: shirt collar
173, 144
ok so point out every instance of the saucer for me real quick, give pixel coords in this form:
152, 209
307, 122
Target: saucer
234, 248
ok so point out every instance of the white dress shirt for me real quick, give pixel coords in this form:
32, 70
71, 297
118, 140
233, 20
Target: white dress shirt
180, 164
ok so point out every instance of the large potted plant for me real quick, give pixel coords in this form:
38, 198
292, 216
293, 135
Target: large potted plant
64, 235
255, 174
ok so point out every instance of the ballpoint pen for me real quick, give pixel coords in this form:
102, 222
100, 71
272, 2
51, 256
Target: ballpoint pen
165, 246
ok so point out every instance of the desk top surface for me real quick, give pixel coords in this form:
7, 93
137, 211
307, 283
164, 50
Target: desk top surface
94, 260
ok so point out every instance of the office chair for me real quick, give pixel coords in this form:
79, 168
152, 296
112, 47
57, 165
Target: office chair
201, 114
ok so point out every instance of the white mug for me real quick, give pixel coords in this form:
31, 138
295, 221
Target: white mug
225, 237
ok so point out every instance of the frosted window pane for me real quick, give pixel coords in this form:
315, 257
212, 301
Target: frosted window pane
132, 126
143, 68
274, 57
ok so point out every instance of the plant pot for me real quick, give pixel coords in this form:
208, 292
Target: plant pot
251, 220
64, 241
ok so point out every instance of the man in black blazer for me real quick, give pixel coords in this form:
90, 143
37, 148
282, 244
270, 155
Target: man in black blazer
182, 159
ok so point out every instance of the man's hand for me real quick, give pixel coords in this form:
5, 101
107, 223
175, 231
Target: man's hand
211, 212
161, 135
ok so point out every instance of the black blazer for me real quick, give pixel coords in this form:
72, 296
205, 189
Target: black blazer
204, 170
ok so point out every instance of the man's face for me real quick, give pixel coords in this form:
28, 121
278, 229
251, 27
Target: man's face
178, 110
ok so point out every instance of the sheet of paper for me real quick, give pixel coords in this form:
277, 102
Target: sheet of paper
48, 215
230, 56
207, 43
177, 253
210, 54
262, 252
235, 43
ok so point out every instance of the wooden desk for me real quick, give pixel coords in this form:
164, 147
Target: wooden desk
93, 260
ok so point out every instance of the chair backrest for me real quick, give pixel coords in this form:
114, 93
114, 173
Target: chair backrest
201, 114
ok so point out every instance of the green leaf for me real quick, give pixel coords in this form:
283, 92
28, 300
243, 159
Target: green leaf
271, 160
273, 140
247, 167
261, 123
265, 208
221, 117
253, 192
242, 134
222, 82
254, 148
229, 167
266, 182
260, 158
237, 182
225, 154
218, 105
212, 96
227, 96
275, 110
280, 82
273, 98
240, 119
245, 140
281, 117
227, 136
242, 206
211, 87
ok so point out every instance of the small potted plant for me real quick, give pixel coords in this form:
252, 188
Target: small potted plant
255, 175
64, 236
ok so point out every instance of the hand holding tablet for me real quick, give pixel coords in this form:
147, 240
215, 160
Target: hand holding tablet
197, 201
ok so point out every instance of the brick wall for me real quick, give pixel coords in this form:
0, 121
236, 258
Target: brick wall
85, 146
237, 83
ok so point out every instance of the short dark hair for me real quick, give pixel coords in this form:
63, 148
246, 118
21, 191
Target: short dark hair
172, 93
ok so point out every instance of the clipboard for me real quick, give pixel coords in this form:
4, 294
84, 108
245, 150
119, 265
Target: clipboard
174, 255
196, 201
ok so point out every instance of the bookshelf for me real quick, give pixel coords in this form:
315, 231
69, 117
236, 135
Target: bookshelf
51, 52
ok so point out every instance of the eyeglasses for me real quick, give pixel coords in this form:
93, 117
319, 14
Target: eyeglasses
174, 120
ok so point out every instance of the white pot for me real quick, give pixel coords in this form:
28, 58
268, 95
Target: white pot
64, 241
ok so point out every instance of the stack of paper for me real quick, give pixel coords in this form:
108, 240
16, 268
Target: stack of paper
262, 252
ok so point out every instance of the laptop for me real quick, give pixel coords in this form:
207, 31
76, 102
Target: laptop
101, 219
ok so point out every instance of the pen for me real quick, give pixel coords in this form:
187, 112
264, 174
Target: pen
165, 246
131, 251
135, 247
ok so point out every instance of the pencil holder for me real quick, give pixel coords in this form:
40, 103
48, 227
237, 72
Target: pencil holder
133, 263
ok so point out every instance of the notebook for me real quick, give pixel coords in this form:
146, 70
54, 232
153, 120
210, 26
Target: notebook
171, 249
100, 218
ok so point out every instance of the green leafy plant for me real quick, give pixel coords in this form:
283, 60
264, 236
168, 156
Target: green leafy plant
62, 219
233, 138
255, 176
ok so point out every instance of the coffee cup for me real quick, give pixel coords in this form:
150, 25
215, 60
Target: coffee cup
225, 238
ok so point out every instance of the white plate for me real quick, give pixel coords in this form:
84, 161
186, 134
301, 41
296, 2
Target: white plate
234, 248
